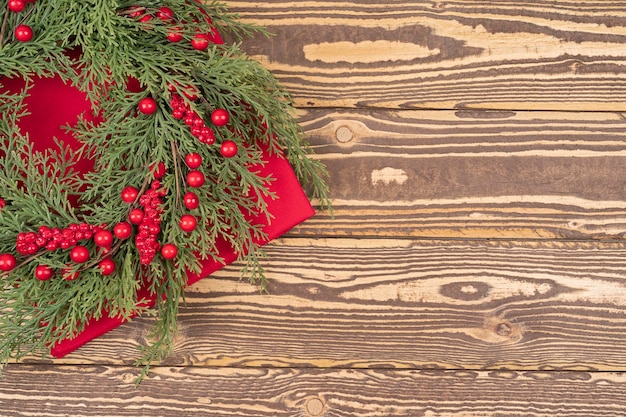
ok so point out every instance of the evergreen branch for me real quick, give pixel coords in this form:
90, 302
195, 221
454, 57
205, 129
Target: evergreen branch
42, 190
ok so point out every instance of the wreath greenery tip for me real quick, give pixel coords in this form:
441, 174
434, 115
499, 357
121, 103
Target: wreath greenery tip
173, 160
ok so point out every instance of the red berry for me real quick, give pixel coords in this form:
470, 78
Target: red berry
174, 36
191, 93
7, 262
135, 216
159, 171
165, 13
129, 194
107, 266
147, 105
195, 179
43, 272
123, 230
145, 18
169, 251
189, 119
228, 149
23, 33
17, 5
79, 254
103, 238
220, 117
191, 201
200, 41
69, 275
188, 223
193, 160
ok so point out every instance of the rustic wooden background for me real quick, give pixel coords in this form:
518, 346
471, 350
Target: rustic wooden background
476, 265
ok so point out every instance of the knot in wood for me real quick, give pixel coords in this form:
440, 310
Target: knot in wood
314, 407
503, 329
344, 134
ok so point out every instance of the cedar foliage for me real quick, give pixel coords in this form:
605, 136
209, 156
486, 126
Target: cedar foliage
116, 46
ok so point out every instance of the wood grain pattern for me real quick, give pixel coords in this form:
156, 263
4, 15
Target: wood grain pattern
471, 174
476, 265
105, 391
562, 55
357, 303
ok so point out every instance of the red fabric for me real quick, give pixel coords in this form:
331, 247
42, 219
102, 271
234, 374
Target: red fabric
53, 104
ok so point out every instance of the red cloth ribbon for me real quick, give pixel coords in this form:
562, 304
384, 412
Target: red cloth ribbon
53, 104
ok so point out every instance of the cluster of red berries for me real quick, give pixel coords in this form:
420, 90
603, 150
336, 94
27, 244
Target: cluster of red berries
23, 33
29, 243
147, 220
46, 238
200, 41
181, 110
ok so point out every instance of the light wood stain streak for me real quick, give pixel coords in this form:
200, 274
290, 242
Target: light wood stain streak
492, 55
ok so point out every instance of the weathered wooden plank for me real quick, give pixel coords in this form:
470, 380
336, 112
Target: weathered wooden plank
566, 55
356, 303
474, 174
105, 391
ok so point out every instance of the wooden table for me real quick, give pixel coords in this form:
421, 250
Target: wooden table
476, 264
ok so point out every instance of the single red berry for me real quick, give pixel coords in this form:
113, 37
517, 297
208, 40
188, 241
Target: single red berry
228, 149
69, 274
134, 12
7, 262
43, 272
169, 251
220, 117
145, 18
193, 160
191, 201
191, 93
103, 238
147, 105
23, 33
175, 35
159, 171
188, 223
200, 41
107, 266
123, 230
195, 179
165, 13
129, 194
135, 216
17, 5
79, 254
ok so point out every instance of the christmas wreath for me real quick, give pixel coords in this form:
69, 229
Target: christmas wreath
170, 163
